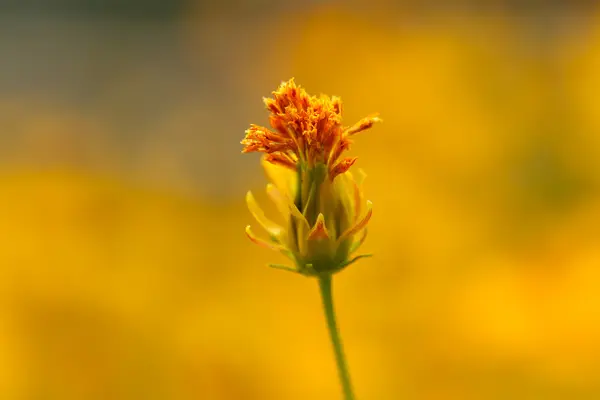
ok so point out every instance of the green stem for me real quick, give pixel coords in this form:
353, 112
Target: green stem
325, 286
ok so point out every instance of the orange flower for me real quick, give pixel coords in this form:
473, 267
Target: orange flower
320, 200
307, 129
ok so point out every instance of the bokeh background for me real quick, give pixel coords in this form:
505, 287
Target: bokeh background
124, 269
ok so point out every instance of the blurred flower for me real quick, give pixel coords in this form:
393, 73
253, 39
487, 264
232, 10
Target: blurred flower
321, 201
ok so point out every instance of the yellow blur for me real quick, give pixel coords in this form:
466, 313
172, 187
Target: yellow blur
125, 273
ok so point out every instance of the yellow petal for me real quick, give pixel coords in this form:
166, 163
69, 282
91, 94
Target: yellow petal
283, 178
356, 245
360, 225
358, 196
309, 200
360, 177
286, 205
279, 199
346, 191
270, 226
262, 242
357, 209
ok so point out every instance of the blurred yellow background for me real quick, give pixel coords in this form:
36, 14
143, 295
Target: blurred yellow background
125, 272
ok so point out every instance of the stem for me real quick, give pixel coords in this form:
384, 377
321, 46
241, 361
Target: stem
325, 286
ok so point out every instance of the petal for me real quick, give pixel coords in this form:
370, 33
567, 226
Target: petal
285, 205
360, 176
356, 245
309, 199
357, 209
345, 188
319, 231
358, 193
279, 199
283, 178
289, 210
270, 226
264, 243
362, 125
360, 225
342, 166
282, 160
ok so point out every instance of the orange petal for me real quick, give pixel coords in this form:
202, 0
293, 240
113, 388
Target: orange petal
362, 125
342, 167
281, 159
319, 231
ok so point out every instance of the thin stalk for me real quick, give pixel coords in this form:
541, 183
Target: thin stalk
326, 297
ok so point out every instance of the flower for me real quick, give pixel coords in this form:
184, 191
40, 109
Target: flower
320, 200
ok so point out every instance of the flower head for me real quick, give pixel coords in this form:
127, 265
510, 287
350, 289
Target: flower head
321, 201
307, 129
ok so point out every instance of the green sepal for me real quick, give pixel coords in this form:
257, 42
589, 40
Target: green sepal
283, 267
352, 261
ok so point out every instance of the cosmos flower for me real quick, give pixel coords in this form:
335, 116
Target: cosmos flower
320, 200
